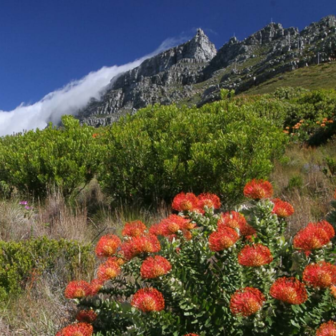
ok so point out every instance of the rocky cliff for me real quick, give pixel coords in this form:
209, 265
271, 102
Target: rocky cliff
194, 72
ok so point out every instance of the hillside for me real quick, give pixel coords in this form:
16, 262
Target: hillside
313, 77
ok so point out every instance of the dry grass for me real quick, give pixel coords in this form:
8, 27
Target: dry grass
302, 178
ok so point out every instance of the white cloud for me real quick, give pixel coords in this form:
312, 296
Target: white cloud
68, 99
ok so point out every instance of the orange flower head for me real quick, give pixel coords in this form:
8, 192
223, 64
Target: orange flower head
258, 189
107, 245
335, 194
222, 239
87, 316
78, 329
232, 219
185, 202
313, 236
134, 229
320, 275
148, 299
191, 334
289, 290
174, 223
108, 270
246, 301
323, 125
154, 267
281, 208
255, 255
96, 285
156, 229
209, 200
248, 232
330, 121
333, 291
327, 329
77, 290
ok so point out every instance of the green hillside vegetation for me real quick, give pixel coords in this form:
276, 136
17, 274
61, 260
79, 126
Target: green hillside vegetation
314, 77
79, 183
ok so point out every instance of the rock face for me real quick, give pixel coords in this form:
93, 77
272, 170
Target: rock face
194, 72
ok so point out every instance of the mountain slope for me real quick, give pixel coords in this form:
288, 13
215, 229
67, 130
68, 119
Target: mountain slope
194, 72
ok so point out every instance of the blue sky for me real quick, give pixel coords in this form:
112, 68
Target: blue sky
45, 44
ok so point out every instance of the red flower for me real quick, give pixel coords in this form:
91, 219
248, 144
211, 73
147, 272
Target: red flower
223, 239
156, 229
185, 202
108, 270
248, 231
258, 189
134, 229
137, 245
235, 220
333, 290
77, 290
255, 256
87, 316
320, 275
209, 200
289, 290
107, 245
148, 299
313, 236
96, 285
282, 209
335, 194
191, 335
246, 301
174, 223
78, 329
154, 267
327, 329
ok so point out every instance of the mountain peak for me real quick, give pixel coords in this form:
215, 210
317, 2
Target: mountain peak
199, 48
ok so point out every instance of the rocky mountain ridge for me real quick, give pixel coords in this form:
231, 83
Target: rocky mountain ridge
194, 72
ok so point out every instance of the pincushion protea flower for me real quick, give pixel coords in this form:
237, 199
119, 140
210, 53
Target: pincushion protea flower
87, 316
320, 275
148, 299
108, 270
255, 255
258, 189
235, 220
281, 208
209, 200
223, 239
327, 329
156, 229
246, 301
289, 290
185, 202
96, 285
174, 223
137, 245
78, 329
107, 245
154, 267
77, 290
134, 229
313, 236
333, 291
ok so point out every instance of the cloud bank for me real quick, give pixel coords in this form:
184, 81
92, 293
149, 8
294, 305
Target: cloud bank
69, 99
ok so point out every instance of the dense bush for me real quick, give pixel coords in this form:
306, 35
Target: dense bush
210, 273
19, 261
63, 158
165, 149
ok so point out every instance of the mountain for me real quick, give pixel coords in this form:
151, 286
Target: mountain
194, 72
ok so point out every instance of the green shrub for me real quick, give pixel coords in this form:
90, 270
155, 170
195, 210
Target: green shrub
18, 260
165, 149
63, 158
